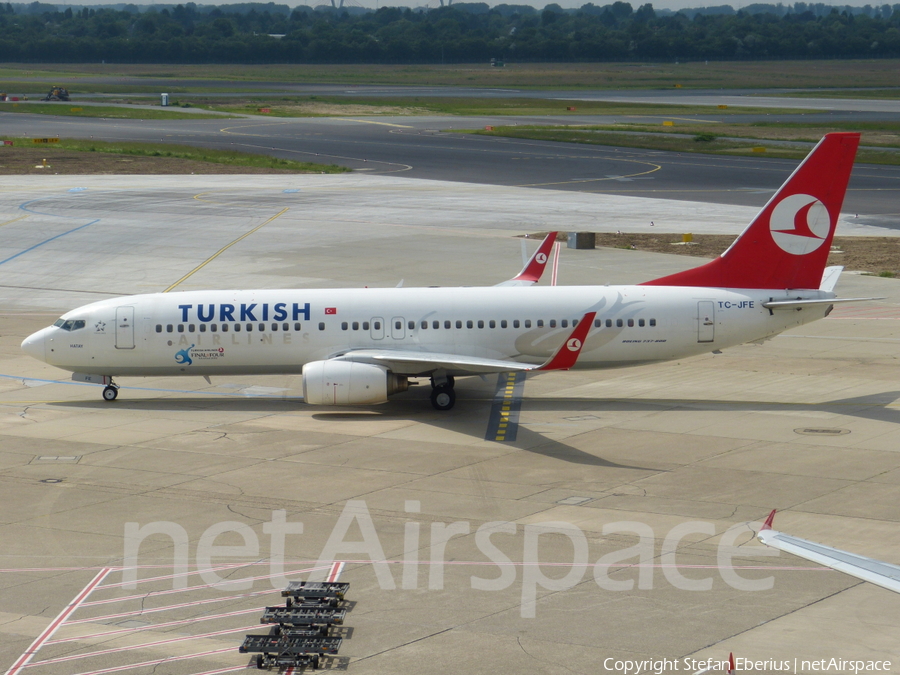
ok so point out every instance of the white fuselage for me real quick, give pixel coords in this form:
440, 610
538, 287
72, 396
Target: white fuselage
278, 331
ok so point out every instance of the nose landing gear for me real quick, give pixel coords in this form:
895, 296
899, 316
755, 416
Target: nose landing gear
110, 392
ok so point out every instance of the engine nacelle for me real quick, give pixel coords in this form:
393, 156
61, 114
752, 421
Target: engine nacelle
349, 383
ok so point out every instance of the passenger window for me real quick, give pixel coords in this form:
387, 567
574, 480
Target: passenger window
609, 323
365, 325
262, 328
237, 328
344, 326
631, 323
377, 325
515, 323
296, 326
598, 323
652, 322
321, 325
446, 324
411, 324
552, 323
641, 323
480, 323
424, 324
249, 327
459, 324
469, 324
435, 324
202, 327
190, 328
159, 328
213, 327
564, 323
619, 323
355, 325
503, 324
527, 323
492, 324
274, 327
224, 327
574, 323
181, 328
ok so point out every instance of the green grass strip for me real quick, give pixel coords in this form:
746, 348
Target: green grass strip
229, 157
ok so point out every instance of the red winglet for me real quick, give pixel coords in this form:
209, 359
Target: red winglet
569, 351
731, 666
768, 524
535, 267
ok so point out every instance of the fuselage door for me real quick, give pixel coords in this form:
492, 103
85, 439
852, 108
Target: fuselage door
398, 330
706, 321
377, 330
124, 327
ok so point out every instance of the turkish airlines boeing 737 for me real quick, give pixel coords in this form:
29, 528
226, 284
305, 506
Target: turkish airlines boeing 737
359, 346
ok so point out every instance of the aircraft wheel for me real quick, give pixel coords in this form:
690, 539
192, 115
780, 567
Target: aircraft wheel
443, 397
110, 393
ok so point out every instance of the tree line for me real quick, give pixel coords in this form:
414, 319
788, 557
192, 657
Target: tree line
461, 33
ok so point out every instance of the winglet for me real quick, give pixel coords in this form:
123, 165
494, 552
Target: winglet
534, 268
768, 524
569, 351
731, 666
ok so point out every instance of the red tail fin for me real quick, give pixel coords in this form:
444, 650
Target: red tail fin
787, 244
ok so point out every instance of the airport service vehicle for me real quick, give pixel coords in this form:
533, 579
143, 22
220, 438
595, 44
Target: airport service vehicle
874, 571
359, 346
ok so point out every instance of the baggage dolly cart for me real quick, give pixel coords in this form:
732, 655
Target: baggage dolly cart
303, 616
314, 592
289, 652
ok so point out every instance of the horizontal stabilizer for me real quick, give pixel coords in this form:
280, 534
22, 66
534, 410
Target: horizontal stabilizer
800, 304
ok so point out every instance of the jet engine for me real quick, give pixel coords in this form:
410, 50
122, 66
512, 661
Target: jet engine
349, 383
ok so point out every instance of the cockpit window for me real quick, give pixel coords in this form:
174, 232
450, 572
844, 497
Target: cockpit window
70, 324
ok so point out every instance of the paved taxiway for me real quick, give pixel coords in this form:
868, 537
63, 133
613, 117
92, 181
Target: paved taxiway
806, 423
415, 147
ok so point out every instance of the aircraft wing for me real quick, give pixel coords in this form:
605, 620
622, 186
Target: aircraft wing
534, 268
416, 363
874, 571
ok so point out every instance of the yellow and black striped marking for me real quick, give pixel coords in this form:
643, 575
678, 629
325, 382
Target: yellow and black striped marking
504, 420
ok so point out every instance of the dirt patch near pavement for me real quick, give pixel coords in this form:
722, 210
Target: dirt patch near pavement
875, 255
22, 161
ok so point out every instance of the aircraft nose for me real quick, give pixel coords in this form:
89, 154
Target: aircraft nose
33, 345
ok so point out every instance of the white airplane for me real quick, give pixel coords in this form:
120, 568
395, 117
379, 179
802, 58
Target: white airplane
874, 571
359, 346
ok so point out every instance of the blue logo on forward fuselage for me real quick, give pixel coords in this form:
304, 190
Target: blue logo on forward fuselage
184, 356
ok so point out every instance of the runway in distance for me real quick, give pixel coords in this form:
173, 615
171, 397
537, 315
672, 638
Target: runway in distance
359, 346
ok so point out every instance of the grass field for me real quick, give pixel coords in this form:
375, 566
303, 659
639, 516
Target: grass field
706, 141
317, 106
86, 78
74, 109
153, 150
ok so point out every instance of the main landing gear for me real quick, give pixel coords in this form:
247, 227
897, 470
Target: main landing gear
442, 395
110, 392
